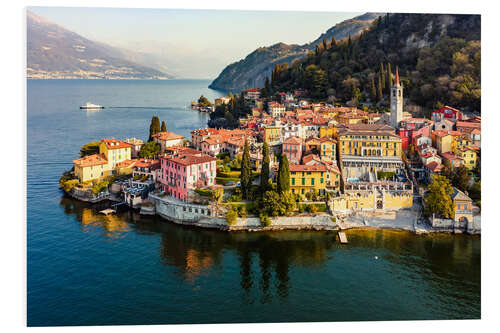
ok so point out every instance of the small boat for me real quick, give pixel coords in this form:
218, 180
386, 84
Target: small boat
90, 106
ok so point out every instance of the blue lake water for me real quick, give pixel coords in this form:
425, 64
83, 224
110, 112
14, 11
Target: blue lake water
88, 269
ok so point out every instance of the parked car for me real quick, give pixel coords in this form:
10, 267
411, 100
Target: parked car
231, 183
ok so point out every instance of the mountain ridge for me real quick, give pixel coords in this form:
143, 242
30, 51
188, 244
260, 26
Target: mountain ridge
252, 70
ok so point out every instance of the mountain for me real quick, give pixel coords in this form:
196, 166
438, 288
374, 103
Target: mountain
438, 56
252, 71
55, 52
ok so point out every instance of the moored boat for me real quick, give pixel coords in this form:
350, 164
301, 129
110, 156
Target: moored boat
90, 106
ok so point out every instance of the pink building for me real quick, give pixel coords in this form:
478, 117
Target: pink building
292, 148
182, 173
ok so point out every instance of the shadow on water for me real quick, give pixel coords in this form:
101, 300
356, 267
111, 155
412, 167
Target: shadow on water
265, 260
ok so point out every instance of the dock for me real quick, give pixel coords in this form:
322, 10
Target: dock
107, 211
343, 238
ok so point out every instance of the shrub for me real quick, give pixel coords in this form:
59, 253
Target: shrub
385, 174
301, 209
68, 184
242, 212
99, 187
334, 219
312, 208
204, 193
265, 221
231, 216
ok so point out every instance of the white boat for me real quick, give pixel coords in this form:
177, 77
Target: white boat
90, 106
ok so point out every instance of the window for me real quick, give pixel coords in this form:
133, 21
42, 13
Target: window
312, 181
293, 181
303, 181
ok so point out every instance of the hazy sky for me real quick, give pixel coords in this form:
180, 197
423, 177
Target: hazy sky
193, 43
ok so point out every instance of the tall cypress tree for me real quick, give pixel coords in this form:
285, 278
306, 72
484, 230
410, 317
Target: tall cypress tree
283, 175
389, 78
154, 127
379, 88
373, 90
246, 171
264, 173
382, 75
163, 126
333, 42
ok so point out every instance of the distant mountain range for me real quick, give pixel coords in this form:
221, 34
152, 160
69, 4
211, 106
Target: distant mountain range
55, 52
252, 71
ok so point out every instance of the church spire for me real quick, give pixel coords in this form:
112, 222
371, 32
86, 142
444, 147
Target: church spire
397, 76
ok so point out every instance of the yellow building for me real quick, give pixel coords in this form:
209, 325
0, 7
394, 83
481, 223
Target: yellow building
307, 178
469, 156
327, 132
313, 145
91, 167
115, 151
370, 145
272, 134
354, 117
328, 148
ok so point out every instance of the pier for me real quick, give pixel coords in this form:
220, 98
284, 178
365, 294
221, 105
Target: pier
343, 238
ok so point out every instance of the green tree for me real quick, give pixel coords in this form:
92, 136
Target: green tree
461, 178
382, 75
163, 126
203, 101
216, 196
90, 148
154, 127
288, 202
231, 215
264, 174
272, 204
246, 171
438, 199
283, 183
389, 78
379, 89
373, 90
149, 150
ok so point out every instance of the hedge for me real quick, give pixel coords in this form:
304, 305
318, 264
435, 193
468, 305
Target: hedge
224, 180
205, 193
230, 174
320, 207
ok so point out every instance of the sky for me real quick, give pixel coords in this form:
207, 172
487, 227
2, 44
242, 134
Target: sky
192, 43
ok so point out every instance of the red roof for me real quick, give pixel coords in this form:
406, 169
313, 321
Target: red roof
167, 136
434, 166
293, 140
91, 160
397, 76
115, 144
147, 163
187, 160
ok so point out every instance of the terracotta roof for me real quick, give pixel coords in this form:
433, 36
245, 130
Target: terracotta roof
450, 156
115, 144
311, 157
397, 76
434, 166
302, 167
126, 163
91, 160
147, 163
293, 140
191, 159
327, 139
468, 124
167, 136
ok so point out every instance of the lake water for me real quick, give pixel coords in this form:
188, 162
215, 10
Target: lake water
88, 269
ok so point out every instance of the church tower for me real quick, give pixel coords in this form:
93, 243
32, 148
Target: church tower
396, 102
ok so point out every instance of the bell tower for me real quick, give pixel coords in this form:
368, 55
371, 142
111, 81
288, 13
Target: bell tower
396, 102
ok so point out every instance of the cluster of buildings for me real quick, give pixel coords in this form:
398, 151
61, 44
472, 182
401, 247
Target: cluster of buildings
366, 161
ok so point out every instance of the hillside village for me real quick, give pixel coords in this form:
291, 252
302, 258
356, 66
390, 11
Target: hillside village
293, 157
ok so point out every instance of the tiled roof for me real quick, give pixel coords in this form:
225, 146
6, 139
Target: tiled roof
434, 166
191, 159
167, 136
126, 163
91, 160
115, 144
147, 163
293, 140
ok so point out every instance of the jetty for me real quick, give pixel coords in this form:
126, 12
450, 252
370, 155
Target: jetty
342, 238
107, 211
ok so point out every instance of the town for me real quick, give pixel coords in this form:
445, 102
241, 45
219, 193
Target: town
295, 163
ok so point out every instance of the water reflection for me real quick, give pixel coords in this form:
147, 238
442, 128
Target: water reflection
266, 261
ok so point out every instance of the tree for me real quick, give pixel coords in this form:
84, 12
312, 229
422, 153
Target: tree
461, 178
216, 196
163, 126
283, 175
379, 89
438, 199
154, 127
271, 203
231, 215
246, 171
288, 202
382, 75
389, 78
264, 173
373, 90
203, 101
90, 148
150, 149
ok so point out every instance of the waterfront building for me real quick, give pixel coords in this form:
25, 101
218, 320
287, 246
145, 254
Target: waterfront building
222, 100
183, 173
168, 139
463, 206
115, 151
292, 148
91, 167
146, 170
308, 178
374, 146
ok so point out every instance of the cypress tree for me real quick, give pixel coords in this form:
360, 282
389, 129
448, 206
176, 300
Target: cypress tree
154, 127
333, 42
324, 44
389, 78
382, 75
163, 126
379, 89
246, 171
283, 175
267, 90
264, 173
373, 90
